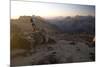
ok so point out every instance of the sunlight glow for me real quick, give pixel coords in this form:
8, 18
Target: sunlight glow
19, 8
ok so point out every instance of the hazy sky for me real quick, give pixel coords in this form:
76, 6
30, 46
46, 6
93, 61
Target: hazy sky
19, 8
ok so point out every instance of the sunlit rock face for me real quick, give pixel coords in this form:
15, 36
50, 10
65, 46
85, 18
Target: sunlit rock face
39, 25
23, 23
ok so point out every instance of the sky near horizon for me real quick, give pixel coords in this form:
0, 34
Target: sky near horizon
21, 8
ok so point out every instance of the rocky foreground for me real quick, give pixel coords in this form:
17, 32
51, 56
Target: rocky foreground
59, 51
